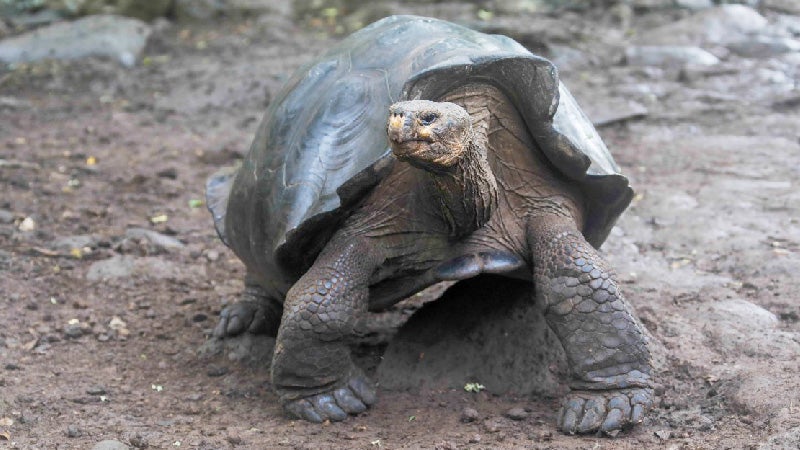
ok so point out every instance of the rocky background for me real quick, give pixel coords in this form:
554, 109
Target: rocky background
112, 113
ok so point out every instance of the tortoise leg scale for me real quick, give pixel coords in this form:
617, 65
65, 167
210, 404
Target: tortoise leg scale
311, 369
605, 346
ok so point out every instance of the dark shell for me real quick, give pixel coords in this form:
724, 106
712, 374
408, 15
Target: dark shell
322, 143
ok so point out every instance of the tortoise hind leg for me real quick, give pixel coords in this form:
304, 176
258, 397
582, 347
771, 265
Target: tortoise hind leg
255, 312
312, 371
605, 345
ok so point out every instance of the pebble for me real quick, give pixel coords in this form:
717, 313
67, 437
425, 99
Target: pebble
668, 55
719, 25
114, 267
6, 216
516, 414
73, 431
73, 330
764, 46
139, 441
491, 425
96, 390
155, 238
27, 224
110, 444
217, 371
469, 415
77, 241
475, 439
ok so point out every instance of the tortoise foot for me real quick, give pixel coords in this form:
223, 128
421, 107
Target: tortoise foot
353, 398
260, 316
603, 411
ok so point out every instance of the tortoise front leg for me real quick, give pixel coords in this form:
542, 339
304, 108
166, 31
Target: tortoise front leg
605, 346
312, 370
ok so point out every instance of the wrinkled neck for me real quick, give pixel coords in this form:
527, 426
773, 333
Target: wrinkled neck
467, 193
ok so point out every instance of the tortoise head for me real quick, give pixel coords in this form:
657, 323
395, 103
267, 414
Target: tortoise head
429, 135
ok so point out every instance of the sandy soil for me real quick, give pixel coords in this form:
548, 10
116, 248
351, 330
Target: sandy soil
101, 327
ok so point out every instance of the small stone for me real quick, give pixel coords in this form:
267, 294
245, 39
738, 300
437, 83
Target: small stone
138, 441
73, 431
73, 330
212, 255
110, 444
169, 172
516, 414
217, 371
475, 439
663, 434
27, 224
764, 46
155, 238
469, 415
199, 317
6, 216
491, 425
96, 390
668, 55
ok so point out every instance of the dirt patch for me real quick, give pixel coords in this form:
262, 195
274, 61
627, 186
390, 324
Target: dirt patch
101, 327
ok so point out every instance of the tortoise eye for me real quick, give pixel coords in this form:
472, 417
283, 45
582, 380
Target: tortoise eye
428, 118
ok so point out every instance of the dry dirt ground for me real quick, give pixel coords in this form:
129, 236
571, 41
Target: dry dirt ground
100, 326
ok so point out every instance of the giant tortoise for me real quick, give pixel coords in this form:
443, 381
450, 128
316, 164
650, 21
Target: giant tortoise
418, 151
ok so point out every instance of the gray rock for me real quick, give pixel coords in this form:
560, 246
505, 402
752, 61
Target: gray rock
786, 6
747, 329
110, 445
67, 243
714, 26
469, 415
483, 330
787, 440
516, 414
119, 38
668, 56
73, 431
615, 110
153, 267
155, 238
115, 267
694, 4
6, 216
764, 46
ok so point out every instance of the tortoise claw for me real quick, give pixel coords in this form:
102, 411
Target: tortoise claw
604, 411
351, 399
252, 316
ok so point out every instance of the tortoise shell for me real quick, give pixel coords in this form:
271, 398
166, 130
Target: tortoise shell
322, 143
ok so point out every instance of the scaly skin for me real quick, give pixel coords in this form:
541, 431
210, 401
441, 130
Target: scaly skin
605, 346
311, 369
